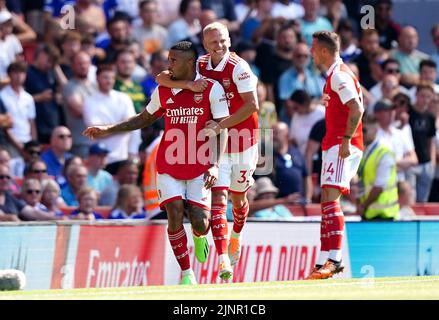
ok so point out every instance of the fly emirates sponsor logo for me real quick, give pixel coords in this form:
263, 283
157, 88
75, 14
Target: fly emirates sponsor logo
115, 272
184, 115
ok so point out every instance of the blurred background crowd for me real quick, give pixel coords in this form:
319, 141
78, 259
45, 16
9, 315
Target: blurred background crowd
66, 65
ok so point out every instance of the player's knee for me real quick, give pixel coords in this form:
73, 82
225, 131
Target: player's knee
175, 215
199, 219
238, 199
219, 197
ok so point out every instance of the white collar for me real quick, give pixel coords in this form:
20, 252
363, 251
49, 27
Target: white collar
221, 65
177, 90
337, 62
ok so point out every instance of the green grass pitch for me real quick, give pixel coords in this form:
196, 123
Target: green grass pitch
370, 288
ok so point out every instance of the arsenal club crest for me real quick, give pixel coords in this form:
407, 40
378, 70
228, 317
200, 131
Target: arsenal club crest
198, 97
226, 83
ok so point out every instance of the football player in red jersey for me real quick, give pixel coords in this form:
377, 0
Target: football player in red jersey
239, 161
342, 148
185, 168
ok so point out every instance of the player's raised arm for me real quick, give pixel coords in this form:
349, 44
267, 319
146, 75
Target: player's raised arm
165, 79
139, 121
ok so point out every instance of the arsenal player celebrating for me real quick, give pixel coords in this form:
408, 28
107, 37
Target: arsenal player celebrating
342, 148
185, 168
239, 162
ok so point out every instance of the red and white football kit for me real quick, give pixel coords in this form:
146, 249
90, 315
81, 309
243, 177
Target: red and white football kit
239, 161
341, 86
184, 155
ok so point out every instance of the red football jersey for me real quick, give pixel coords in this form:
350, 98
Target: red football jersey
184, 153
341, 86
236, 77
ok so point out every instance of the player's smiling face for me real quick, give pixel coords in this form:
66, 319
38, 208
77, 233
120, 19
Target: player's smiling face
217, 43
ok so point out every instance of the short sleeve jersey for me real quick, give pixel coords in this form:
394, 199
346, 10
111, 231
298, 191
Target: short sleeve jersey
184, 153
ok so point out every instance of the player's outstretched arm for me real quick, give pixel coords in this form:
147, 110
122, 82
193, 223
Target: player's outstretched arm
356, 111
164, 79
142, 120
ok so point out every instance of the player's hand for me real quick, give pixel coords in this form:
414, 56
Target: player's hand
325, 99
96, 132
210, 177
198, 85
211, 129
344, 151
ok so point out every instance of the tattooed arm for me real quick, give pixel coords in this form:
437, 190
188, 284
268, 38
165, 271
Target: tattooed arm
356, 111
142, 120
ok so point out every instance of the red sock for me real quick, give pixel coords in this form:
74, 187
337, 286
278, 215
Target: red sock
335, 224
324, 237
219, 228
178, 242
239, 217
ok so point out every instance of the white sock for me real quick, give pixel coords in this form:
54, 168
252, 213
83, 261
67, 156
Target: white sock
323, 256
235, 235
224, 258
187, 272
335, 255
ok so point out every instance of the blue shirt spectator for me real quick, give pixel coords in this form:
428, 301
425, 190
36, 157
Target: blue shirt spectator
290, 82
74, 214
54, 167
121, 214
68, 196
54, 6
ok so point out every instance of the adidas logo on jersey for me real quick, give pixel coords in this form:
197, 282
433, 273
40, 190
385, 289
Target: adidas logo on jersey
169, 101
328, 179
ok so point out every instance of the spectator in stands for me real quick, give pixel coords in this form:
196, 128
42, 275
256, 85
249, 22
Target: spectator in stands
11, 46
287, 9
167, 11
12, 209
52, 8
290, 173
36, 169
265, 205
245, 9
76, 179
408, 56
51, 197
58, 152
127, 173
31, 194
87, 203
406, 201
402, 105
41, 81
151, 35
370, 46
224, 10
18, 26
390, 67
109, 106
70, 44
92, 13
306, 114
299, 77
31, 152
389, 89
119, 30
141, 61
423, 128
5, 124
267, 115
206, 17
5, 157
159, 62
252, 23
187, 25
348, 46
427, 74
434, 109
20, 106
52, 31
98, 178
311, 21
400, 144
125, 64
387, 28
74, 93
435, 55
129, 203
378, 195
313, 156
279, 58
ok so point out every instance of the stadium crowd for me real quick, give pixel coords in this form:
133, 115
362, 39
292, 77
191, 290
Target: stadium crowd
66, 65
